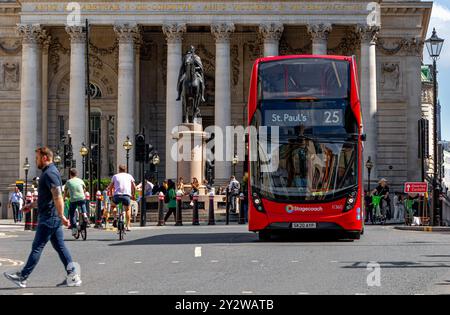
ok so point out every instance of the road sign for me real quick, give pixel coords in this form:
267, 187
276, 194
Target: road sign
416, 188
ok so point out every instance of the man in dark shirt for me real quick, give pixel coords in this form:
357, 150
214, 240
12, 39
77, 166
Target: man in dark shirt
383, 191
51, 214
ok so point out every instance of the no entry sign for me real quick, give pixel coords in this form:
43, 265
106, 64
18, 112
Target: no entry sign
416, 188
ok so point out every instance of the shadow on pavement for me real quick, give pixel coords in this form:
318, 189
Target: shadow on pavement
188, 239
227, 238
395, 265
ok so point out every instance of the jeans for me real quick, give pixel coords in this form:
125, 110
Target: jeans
16, 211
50, 230
73, 207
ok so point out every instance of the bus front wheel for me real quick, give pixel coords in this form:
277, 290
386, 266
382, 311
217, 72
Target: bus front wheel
264, 236
356, 236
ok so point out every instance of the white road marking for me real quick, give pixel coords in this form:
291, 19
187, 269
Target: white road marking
80, 293
334, 261
255, 261
198, 252
133, 292
247, 292
175, 262
28, 294
214, 261
102, 263
138, 262
191, 292
294, 261
10, 262
302, 293
362, 294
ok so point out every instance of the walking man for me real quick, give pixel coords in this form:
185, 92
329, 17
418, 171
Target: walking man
15, 201
51, 214
234, 189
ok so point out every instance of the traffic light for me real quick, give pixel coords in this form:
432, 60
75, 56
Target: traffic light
149, 151
140, 148
68, 156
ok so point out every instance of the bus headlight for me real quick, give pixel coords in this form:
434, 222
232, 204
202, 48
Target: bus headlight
258, 203
351, 200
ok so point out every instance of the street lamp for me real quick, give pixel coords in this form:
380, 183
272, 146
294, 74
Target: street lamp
235, 162
57, 159
127, 145
84, 151
434, 46
156, 161
369, 166
26, 168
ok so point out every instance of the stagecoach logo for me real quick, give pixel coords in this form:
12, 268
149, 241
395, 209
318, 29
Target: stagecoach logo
292, 209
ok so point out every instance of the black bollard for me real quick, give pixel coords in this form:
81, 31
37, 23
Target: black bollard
212, 220
179, 214
195, 216
241, 209
228, 207
28, 218
99, 214
161, 198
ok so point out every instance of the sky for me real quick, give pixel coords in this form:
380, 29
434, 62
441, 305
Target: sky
440, 19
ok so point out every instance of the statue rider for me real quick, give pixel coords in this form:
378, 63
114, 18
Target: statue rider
198, 70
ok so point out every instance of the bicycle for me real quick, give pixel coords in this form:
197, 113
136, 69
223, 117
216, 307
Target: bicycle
81, 225
121, 222
379, 210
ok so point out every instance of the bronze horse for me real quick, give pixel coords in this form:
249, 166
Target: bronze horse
192, 90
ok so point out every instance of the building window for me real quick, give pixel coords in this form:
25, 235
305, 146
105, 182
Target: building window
95, 91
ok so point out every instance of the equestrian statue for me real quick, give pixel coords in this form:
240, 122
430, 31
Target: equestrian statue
191, 84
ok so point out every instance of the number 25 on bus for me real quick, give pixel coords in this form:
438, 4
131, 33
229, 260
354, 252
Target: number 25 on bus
308, 177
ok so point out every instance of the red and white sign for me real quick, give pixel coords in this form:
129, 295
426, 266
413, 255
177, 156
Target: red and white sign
416, 188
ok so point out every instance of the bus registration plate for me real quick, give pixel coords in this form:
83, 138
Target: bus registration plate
304, 226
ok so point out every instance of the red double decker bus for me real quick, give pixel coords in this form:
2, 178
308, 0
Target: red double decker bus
306, 167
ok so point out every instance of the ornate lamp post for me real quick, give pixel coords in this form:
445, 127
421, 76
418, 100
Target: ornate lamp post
26, 168
156, 161
369, 166
84, 151
235, 163
127, 145
434, 46
57, 159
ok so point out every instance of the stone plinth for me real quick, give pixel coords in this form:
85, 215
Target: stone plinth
191, 154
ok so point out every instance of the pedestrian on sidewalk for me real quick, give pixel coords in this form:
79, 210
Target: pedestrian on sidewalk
51, 215
15, 202
234, 189
171, 199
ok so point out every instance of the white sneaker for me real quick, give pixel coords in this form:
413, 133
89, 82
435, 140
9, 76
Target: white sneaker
72, 281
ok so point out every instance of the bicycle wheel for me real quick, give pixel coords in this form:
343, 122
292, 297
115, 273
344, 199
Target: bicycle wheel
83, 228
77, 219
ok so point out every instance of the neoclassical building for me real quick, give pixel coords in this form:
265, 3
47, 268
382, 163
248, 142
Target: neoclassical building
135, 53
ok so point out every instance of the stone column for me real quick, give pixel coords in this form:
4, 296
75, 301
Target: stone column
126, 103
271, 33
319, 34
45, 47
77, 95
137, 49
30, 90
174, 113
222, 33
368, 91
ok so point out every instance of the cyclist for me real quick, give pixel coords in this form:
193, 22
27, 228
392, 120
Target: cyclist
124, 188
383, 191
75, 190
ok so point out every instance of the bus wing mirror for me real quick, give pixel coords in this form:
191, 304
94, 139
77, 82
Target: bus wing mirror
364, 137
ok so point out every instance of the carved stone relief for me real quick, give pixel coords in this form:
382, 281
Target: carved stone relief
390, 76
11, 76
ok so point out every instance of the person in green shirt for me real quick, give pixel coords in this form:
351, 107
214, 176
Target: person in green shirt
75, 190
172, 204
